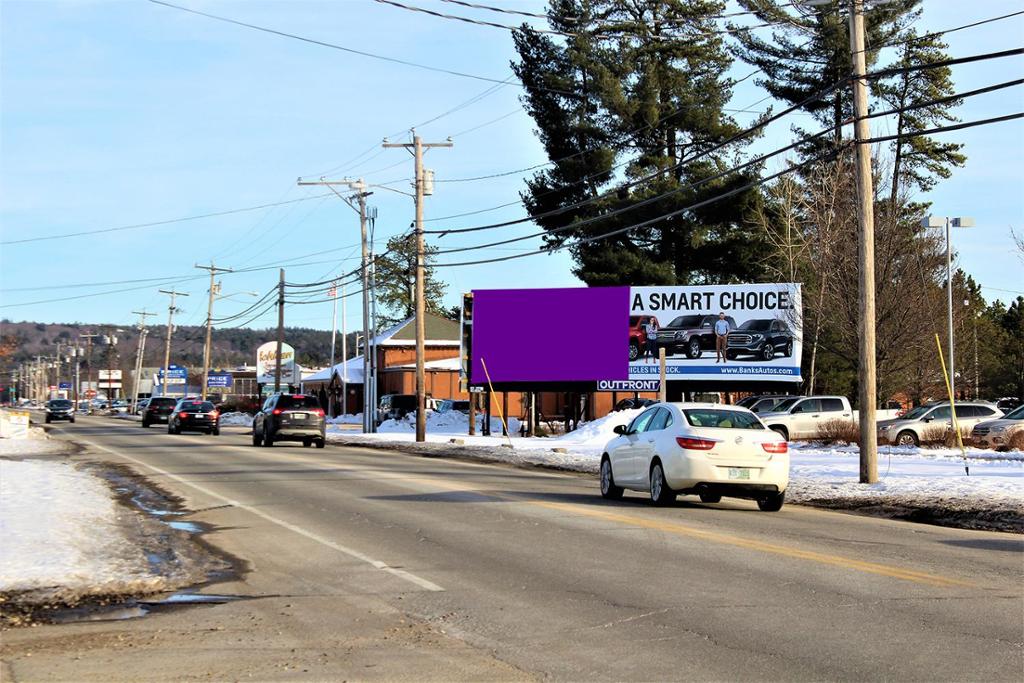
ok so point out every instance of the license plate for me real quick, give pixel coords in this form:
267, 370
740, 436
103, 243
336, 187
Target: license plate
299, 416
739, 473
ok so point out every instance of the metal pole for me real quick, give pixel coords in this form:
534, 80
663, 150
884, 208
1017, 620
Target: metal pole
866, 265
949, 309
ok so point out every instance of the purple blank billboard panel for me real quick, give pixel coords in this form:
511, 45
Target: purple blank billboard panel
551, 335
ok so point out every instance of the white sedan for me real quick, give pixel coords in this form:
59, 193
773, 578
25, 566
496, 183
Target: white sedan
706, 449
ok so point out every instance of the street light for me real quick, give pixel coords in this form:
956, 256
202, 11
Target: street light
947, 222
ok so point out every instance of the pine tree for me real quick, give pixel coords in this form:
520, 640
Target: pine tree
396, 281
638, 89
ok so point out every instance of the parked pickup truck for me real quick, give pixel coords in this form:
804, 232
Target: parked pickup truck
802, 417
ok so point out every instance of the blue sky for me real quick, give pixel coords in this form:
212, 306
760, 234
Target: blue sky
117, 113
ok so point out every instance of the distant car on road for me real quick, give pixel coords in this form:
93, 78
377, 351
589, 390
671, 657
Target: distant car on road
60, 409
158, 410
290, 417
703, 449
194, 416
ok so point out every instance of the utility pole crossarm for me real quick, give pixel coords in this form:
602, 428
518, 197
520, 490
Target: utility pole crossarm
209, 320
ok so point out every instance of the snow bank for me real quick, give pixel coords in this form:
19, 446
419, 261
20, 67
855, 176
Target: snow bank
61, 533
346, 420
451, 423
600, 431
236, 420
37, 443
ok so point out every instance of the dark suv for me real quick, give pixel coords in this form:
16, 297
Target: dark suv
60, 409
690, 334
761, 338
395, 407
290, 417
192, 415
158, 410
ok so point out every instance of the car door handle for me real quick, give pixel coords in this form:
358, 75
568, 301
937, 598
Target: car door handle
816, 415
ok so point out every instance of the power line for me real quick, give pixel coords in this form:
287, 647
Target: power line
155, 224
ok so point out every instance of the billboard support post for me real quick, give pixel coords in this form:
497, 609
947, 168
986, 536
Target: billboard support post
662, 391
501, 413
472, 414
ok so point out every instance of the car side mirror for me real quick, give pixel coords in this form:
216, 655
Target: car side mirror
926, 419
621, 430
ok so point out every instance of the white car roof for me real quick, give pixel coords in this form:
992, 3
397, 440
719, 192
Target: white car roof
694, 404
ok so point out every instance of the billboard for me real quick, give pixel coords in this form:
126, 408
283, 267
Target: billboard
614, 335
174, 375
219, 380
266, 364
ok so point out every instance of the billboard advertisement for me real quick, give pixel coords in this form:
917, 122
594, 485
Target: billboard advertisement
614, 335
266, 364
219, 380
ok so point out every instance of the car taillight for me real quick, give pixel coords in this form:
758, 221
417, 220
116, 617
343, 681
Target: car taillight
695, 444
277, 411
319, 411
775, 447
215, 414
183, 414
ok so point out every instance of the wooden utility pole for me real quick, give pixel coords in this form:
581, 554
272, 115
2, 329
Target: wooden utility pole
171, 310
359, 188
417, 146
214, 289
143, 314
866, 220
280, 333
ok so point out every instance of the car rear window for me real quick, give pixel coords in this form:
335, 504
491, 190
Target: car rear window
197, 407
721, 419
161, 402
293, 401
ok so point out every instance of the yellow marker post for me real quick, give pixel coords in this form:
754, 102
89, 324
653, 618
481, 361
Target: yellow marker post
497, 404
952, 407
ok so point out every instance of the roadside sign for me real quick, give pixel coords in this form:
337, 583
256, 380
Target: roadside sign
110, 375
629, 385
219, 380
175, 375
64, 385
90, 393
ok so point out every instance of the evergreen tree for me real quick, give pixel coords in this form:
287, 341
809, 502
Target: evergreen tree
396, 281
637, 90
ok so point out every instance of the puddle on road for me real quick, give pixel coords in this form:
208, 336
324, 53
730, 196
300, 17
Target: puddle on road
194, 599
190, 527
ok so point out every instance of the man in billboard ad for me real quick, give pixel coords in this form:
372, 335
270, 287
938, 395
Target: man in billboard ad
753, 331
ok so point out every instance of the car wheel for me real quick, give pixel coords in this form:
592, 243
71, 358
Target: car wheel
48, 420
306, 443
731, 355
772, 503
767, 351
72, 420
320, 443
170, 430
634, 351
661, 494
256, 439
693, 349
781, 431
145, 425
789, 349
268, 438
608, 488
907, 438
710, 498
216, 431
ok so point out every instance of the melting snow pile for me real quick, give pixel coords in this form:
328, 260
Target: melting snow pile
346, 420
450, 423
236, 419
600, 431
61, 534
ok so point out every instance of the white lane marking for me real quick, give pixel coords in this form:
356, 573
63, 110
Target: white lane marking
351, 552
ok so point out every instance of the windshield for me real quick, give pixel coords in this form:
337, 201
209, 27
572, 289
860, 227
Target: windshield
291, 401
686, 321
721, 419
785, 405
916, 413
1017, 414
60, 403
756, 325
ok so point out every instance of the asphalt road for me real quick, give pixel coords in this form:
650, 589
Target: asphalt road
365, 564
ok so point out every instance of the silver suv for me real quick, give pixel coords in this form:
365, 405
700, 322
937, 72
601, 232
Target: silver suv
290, 417
932, 421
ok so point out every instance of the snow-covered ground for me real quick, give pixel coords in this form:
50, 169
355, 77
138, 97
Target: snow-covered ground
928, 482
236, 419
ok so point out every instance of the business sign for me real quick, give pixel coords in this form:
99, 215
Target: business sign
266, 364
174, 374
110, 374
219, 380
64, 385
629, 385
615, 334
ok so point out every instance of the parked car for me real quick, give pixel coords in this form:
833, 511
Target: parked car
703, 449
690, 334
158, 409
60, 409
638, 335
194, 416
1008, 403
395, 406
448, 405
140, 406
802, 417
763, 403
998, 433
762, 338
931, 421
633, 403
290, 417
